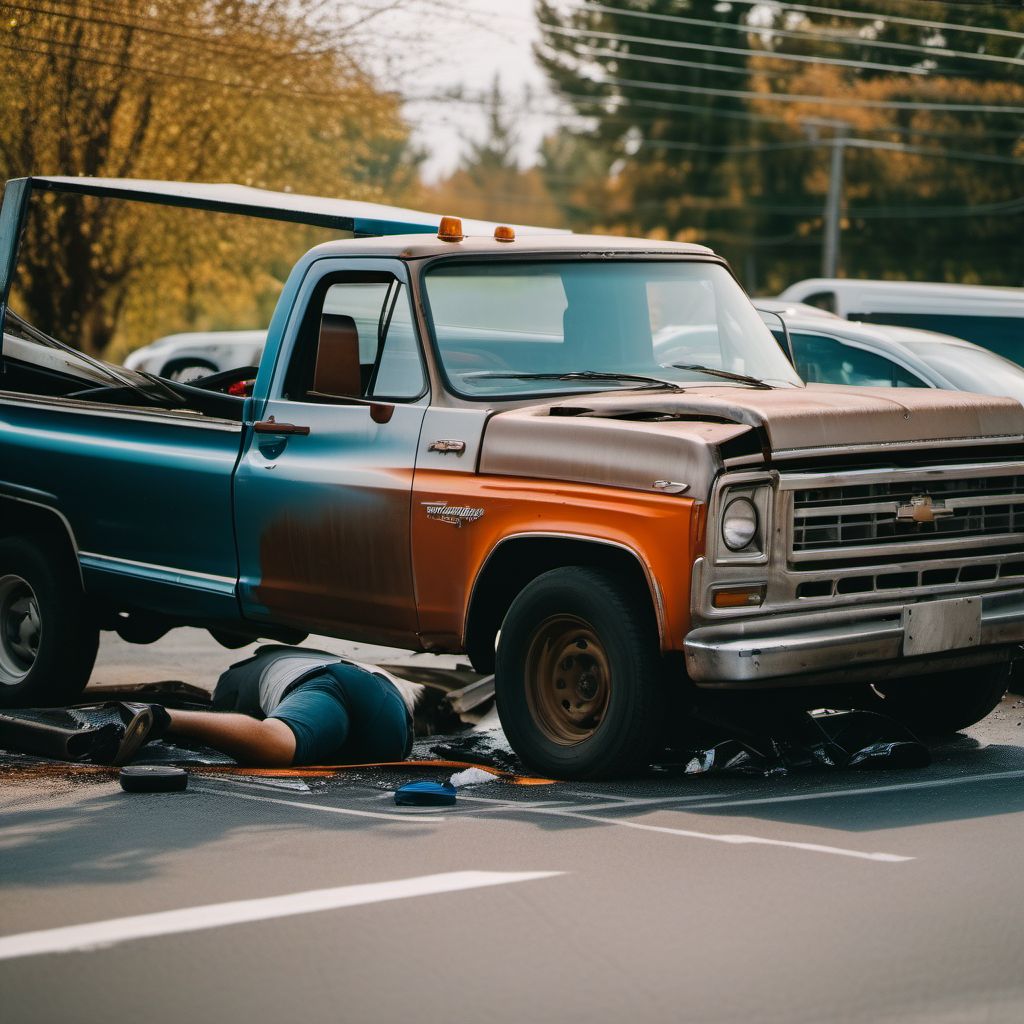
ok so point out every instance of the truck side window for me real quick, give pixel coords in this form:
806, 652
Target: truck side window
824, 360
356, 340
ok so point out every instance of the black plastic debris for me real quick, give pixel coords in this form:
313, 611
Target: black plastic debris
153, 778
489, 748
801, 741
93, 733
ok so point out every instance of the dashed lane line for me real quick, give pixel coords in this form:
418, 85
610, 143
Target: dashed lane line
729, 838
321, 808
102, 934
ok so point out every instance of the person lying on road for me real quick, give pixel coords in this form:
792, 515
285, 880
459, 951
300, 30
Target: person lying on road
294, 706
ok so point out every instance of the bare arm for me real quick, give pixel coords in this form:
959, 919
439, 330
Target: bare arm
269, 744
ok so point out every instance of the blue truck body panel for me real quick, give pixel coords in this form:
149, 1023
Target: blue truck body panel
147, 496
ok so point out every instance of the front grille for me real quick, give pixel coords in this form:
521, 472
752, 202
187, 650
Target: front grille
866, 514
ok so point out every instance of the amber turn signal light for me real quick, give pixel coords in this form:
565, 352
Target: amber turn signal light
740, 597
503, 233
450, 229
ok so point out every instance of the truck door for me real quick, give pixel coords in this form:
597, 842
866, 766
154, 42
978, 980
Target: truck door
323, 490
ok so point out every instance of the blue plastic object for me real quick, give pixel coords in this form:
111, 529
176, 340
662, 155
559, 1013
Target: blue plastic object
425, 793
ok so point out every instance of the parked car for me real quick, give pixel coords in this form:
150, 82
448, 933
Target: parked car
194, 354
833, 351
494, 456
990, 317
788, 309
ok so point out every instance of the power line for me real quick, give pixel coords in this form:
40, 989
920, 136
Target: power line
178, 75
205, 40
738, 51
147, 27
784, 5
854, 142
782, 97
741, 115
676, 19
948, 154
626, 55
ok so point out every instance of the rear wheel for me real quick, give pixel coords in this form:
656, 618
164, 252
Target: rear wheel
48, 639
945, 702
579, 680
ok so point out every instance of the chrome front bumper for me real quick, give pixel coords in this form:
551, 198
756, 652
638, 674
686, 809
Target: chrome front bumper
847, 645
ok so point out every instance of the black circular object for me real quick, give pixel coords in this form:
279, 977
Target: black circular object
153, 778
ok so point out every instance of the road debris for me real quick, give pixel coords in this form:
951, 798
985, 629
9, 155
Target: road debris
425, 793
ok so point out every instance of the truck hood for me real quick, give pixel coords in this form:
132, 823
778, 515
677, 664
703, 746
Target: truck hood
634, 438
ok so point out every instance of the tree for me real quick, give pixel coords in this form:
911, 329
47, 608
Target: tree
749, 173
256, 91
619, 69
489, 184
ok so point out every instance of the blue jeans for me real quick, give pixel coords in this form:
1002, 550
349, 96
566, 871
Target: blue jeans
346, 715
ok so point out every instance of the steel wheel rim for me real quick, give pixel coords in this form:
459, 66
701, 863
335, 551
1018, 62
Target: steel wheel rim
21, 629
568, 679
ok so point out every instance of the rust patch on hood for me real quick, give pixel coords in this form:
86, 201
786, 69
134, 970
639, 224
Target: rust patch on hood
823, 415
631, 439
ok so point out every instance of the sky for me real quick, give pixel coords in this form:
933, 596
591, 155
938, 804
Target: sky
427, 47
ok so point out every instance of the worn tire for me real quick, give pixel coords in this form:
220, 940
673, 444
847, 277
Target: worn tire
600, 634
48, 639
943, 703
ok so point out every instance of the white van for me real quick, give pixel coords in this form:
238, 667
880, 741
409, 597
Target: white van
990, 317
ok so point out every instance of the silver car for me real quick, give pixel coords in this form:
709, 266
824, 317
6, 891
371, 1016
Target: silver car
196, 354
829, 350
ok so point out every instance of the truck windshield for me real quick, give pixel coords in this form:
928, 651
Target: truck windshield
521, 328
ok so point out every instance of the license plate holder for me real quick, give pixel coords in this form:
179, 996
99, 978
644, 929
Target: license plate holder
934, 626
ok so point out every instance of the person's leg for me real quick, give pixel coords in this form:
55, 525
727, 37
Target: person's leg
269, 743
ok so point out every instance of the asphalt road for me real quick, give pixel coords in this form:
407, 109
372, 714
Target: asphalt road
882, 896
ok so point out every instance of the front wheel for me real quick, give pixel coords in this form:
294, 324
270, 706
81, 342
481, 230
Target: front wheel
943, 703
579, 680
48, 639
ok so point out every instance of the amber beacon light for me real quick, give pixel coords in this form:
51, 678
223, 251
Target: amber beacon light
503, 233
450, 230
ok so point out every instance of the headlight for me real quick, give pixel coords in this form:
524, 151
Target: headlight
739, 524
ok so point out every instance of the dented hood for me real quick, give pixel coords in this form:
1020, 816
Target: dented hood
632, 439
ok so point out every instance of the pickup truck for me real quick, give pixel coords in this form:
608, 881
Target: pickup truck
583, 461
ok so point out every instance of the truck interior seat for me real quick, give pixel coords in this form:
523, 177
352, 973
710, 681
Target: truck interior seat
337, 372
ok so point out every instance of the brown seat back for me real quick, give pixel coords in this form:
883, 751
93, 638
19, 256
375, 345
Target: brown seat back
337, 372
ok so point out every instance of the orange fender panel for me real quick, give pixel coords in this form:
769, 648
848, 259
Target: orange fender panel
665, 531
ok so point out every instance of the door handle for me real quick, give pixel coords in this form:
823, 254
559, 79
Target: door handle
271, 426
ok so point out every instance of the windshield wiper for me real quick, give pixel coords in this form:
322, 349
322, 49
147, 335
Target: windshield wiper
711, 371
641, 379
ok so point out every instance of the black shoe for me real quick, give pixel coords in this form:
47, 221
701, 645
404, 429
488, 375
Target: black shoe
136, 731
142, 723
161, 719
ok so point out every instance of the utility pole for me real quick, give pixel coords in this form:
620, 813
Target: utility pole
833, 206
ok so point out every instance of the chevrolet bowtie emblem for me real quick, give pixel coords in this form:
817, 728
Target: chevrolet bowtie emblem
456, 515
922, 510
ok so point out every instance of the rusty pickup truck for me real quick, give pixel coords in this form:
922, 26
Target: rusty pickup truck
583, 461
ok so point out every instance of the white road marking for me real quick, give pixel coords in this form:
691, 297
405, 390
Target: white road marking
703, 801
321, 808
732, 839
570, 811
102, 934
